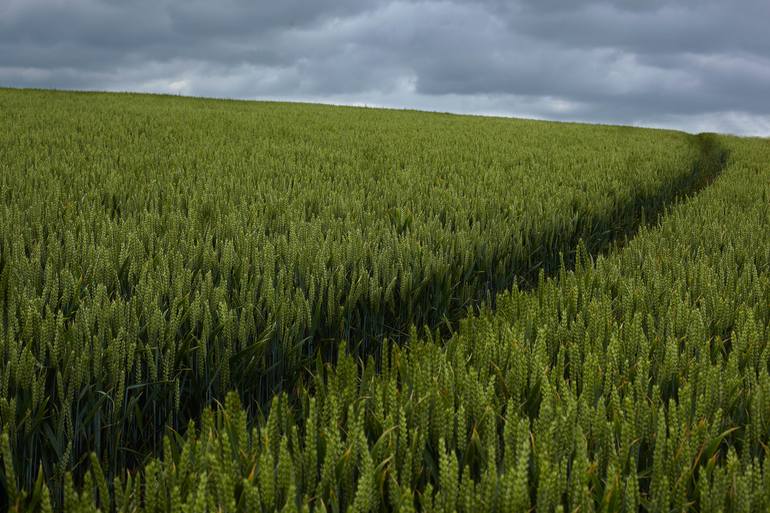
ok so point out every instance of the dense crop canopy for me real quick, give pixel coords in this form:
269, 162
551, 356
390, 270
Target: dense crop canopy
159, 252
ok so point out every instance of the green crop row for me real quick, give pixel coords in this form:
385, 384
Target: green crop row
637, 382
156, 253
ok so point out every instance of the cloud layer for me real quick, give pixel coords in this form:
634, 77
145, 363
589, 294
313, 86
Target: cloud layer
689, 64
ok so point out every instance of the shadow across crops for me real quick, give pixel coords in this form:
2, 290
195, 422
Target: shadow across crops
594, 235
366, 333
591, 234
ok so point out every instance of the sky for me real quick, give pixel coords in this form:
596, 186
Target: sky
695, 65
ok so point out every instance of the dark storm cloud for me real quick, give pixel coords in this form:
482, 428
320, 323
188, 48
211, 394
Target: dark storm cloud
692, 64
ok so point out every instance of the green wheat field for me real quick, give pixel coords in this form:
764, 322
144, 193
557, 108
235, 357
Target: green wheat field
230, 306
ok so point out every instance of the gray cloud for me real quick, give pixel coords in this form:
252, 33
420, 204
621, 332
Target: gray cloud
689, 64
